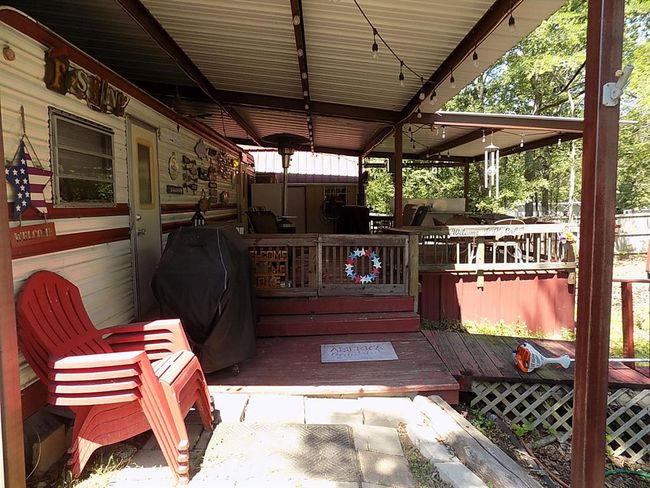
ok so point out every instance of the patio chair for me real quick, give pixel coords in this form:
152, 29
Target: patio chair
120, 381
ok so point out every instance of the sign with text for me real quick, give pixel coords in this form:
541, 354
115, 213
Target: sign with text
357, 351
27, 235
270, 267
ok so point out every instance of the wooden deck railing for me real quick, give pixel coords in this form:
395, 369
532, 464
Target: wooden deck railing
493, 248
323, 264
627, 311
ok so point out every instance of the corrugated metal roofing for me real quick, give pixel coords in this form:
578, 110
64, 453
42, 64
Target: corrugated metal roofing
245, 46
103, 30
306, 163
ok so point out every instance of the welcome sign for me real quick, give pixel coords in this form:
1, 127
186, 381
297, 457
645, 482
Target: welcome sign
357, 351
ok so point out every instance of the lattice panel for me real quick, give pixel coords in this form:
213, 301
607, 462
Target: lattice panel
551, 406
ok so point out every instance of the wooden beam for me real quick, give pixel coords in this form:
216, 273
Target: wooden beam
605, 22
11, 427
268, 102
139, 13
500, 121
452, 143
303, 67
399, 178
481, 30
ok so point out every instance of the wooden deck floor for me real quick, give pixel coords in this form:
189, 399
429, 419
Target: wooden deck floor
429, 362
480, 357
291, 365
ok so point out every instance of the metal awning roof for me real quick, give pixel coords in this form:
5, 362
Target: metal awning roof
235, 65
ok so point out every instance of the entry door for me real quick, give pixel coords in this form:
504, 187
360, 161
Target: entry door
145, 214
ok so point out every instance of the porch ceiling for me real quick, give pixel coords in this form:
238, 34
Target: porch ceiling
246, 52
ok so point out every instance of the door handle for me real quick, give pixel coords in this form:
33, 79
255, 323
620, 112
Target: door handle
141, 232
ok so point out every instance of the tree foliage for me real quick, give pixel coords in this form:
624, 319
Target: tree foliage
544, 75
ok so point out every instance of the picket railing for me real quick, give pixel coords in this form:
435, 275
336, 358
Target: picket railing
324, 264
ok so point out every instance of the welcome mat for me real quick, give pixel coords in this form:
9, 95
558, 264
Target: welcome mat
357, 351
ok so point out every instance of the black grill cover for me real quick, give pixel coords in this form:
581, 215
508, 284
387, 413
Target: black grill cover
204, 279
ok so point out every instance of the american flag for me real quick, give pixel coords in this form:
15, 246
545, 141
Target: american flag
28, 182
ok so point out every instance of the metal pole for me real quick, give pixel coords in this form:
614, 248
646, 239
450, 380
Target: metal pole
286, 159
11, 427
598, 196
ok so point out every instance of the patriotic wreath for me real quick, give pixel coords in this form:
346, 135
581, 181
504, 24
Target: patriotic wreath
351, 261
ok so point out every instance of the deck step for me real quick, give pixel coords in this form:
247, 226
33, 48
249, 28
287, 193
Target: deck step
334, 305
341, 323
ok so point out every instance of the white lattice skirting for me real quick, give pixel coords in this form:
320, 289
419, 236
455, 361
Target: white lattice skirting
551, 406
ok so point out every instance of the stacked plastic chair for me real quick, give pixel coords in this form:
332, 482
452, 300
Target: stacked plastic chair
119, 382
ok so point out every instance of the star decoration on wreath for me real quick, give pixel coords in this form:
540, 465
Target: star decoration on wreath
350, 262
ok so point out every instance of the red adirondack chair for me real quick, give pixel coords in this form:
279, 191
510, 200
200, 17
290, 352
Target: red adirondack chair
120, 381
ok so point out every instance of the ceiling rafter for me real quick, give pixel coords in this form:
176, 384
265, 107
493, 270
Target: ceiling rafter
452, 143
268, 102
301, 52
499, 10
518, 148
501, 121
141, 15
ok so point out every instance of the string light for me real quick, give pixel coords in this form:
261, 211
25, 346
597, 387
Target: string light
419, 113
401, 73
521, 143
303, 75
421, 95
475, 59
444, 132
375, 46
296, 20
301, 53
305, 93
483, 138
452, 81
559, 141
433, 98
511, 23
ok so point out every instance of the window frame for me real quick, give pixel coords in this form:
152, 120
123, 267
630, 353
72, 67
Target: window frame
54, 116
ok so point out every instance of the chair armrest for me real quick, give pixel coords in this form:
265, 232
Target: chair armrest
90, 361
157, 338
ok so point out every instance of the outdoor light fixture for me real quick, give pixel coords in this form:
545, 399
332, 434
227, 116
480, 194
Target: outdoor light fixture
491, 169
303, 75
401, 73
419, 113
475, 59
521, 143
433, 98
444, 132
300, 53
375, 46
483, 138
511, 23
452, 81
305, 93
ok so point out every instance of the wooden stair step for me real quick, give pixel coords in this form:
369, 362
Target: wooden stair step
333, 305
342, 323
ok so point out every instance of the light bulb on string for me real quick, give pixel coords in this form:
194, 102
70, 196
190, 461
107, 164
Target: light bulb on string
521, 143
559, 141
303, 75
296, 20
433, 98
375, 46
410, 129
305, 93
419, 113
452, 81
421, 95
401, 73
444, 132
483, 138
475, 59
512, 25
301, 53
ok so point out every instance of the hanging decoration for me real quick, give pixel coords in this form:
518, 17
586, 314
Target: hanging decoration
491, 168
351, 261
27, 177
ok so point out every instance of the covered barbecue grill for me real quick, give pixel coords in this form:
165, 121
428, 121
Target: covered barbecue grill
204, 279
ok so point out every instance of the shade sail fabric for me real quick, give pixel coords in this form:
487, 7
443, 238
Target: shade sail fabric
204, 279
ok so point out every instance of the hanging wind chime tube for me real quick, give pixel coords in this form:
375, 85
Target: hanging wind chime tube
491, 169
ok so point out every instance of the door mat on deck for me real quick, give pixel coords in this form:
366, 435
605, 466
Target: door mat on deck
357, 351
247, 452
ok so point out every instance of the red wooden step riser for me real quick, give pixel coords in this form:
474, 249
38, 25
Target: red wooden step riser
333, 305
291, 328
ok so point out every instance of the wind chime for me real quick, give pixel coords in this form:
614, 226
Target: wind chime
491, 168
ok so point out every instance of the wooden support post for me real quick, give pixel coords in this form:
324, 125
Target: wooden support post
627, 309
361, 198
466, 186
11, 427
414, 268
598, 207
399, 178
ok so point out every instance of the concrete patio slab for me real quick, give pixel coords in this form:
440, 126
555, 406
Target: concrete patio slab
384, 440
333, 411
230, 406
276, 409
388, 411
458, 476
385, 469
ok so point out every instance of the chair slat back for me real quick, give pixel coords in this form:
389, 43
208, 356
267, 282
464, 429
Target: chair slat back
53, 322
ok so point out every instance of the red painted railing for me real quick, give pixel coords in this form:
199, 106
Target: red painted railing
627, 311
